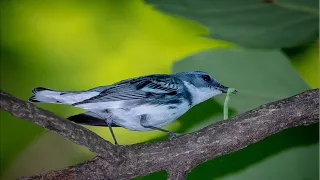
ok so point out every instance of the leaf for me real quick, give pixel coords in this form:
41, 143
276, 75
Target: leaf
260, 23
305, 59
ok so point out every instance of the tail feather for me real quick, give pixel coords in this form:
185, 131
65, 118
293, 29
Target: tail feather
39, 89
33, 99
46, 95
35, 91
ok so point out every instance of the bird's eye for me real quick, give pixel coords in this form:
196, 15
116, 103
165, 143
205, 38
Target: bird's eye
206, 78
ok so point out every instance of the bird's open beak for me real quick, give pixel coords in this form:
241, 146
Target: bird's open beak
224, 89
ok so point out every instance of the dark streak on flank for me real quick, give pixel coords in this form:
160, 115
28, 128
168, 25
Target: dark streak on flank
172, 107
172, 93
174, 101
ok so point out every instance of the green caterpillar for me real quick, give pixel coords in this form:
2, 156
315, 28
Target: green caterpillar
226, 101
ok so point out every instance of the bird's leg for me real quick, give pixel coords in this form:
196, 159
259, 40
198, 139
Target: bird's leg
109, 122
144, 123
110, 128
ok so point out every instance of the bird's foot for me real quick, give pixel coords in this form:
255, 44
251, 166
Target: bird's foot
173, 135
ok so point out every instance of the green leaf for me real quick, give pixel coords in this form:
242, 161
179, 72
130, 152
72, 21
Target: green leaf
305, 59
260, 23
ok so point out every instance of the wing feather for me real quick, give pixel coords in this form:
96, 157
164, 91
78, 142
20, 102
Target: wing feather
138, 88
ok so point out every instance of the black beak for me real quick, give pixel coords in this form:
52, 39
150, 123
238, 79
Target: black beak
224, 89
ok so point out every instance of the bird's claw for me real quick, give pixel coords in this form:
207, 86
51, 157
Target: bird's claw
173, 135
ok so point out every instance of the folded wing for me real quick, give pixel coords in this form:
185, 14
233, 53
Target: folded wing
134, 89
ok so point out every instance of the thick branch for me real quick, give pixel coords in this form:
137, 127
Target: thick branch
178, 156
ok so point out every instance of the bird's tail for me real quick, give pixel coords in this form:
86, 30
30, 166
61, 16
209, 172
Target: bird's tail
46, 95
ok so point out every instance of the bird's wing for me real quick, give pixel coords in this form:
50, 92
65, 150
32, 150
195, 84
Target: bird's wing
138, 88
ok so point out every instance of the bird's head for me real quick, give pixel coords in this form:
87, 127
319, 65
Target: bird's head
201, 85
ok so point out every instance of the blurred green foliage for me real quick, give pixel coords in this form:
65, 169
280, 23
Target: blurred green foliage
305, 60
263, 24
73, 45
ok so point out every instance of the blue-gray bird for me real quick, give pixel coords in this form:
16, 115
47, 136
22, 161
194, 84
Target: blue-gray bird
140, 104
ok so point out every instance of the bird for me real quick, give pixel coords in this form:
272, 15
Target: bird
139, 104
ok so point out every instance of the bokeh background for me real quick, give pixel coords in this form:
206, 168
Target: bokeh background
268, 50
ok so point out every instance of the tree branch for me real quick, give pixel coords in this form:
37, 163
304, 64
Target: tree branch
46, 119
178, 156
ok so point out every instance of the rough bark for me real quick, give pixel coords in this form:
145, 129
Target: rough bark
177, 156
